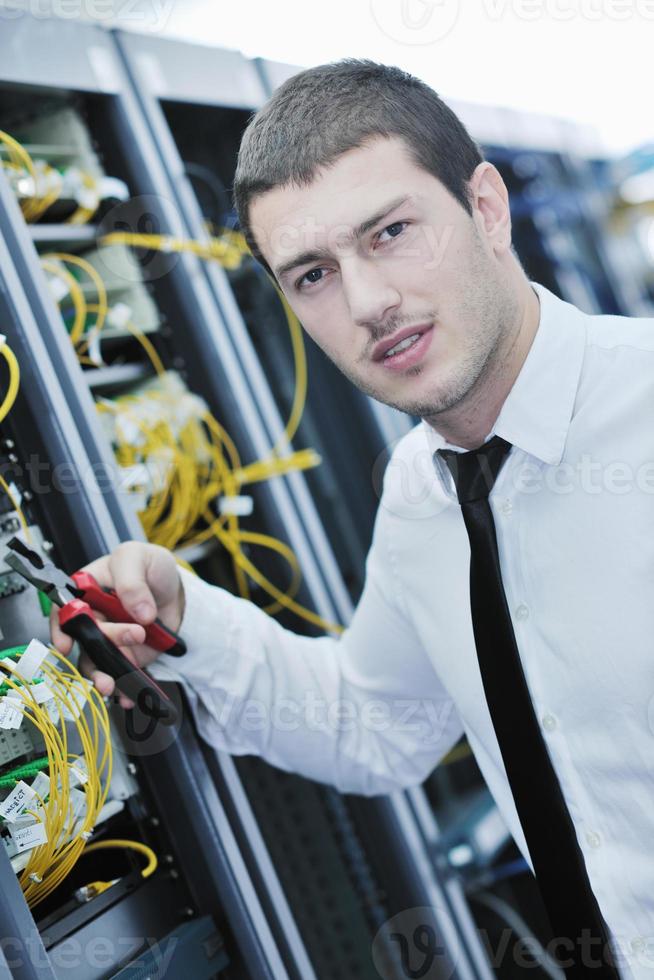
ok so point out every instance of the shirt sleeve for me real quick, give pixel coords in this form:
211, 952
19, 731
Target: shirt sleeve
365, 712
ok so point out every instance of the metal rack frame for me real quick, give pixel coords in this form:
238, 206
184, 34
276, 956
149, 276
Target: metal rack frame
55, 400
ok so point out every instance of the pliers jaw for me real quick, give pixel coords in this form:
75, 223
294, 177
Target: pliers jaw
77, 620
40, 571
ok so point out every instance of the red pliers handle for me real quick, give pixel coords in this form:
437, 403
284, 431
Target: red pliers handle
76, 619
107, 602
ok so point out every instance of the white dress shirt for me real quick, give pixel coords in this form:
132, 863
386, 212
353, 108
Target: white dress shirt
375, 709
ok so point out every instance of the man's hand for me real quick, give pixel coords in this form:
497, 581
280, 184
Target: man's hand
148, 584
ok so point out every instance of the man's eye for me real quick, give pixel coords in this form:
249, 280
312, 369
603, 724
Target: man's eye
313, 276
393, 230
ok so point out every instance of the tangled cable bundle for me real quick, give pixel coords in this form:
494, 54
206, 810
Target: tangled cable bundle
176, 455
38, 185
53, 802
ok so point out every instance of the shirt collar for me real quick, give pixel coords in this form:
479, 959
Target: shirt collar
536, 413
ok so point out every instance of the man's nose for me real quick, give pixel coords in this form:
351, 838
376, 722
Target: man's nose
369, 294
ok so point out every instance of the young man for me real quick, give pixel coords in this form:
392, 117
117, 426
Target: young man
365, 198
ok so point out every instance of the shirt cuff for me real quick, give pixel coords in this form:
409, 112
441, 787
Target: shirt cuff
207, 629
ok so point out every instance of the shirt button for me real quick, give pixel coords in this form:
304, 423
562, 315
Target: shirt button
638, 944
506, 507
549, 723
593, 839
522, 612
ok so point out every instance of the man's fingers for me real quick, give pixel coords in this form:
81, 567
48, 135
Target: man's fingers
129, 567
123, 635
100, 570
60, 640
104, 683
120, 634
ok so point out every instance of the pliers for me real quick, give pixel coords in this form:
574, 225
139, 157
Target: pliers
78, 596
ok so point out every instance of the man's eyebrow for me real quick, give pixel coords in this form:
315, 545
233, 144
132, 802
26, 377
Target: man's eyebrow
369, 223
303, 258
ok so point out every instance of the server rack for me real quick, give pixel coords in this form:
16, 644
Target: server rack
561, 198
224, 907
227, 929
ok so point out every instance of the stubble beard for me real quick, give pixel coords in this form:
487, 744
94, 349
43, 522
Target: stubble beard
491, 311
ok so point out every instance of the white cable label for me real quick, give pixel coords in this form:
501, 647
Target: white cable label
32, 813
10, 716
78, 773
32, 835
31, 660
41, 693
20, 797
41, 784
77, 803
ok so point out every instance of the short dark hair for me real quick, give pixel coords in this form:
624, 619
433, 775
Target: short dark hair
322, 112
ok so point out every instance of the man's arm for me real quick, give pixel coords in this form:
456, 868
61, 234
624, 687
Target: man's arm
365, 712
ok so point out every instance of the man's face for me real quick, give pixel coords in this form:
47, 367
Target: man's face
376, 253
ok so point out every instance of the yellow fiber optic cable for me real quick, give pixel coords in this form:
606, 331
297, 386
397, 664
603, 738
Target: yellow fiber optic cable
14, 381
102, 306
76, 295
16, 506
123, 845
49, 863
198, 471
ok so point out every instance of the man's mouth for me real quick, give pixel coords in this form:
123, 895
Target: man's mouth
402, 341
403, 345
406, 349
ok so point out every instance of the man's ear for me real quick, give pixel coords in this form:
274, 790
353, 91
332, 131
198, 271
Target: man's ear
490, 206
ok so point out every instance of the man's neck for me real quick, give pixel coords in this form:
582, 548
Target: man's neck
471, 421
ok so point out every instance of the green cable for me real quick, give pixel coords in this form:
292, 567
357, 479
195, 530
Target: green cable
13, 651
45, 603
26, 771
5, 687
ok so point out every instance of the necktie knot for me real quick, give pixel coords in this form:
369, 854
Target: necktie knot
474, 473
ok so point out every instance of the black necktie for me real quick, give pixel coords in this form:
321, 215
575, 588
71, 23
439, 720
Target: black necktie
574, 915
